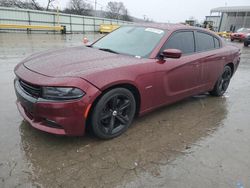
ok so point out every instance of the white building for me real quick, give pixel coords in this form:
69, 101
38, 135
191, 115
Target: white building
232, 18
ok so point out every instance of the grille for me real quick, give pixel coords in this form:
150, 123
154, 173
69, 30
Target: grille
32, 90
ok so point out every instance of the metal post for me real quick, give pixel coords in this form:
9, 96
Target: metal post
236, 17
57, 13
28, 30
83, 26
245, 19
70, 23
54, 20
29, 16
221, 19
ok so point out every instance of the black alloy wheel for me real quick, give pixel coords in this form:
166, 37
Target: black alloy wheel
113, 113
223, 82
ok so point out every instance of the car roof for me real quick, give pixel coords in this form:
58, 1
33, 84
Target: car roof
164, 26
172, 27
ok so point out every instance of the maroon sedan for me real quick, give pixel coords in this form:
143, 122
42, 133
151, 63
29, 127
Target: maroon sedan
241, 34
129, 72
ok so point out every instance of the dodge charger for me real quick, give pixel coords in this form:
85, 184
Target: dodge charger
127, 73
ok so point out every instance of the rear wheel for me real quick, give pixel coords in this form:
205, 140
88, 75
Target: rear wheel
113, 113
246, 44
223, 82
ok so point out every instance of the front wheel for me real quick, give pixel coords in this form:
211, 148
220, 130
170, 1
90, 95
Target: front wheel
113, 113
232, 40
246, 44
223, 82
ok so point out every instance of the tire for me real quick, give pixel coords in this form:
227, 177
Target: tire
246, 44
223, 82
113, 113
232, 40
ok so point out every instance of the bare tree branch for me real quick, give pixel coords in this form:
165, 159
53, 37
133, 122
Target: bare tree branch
117, 10
79, 7
36, 5
33, 4
49, 4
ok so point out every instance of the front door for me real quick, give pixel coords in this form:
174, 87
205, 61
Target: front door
181, 77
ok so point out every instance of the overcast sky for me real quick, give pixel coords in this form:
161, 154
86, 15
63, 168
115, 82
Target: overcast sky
168, 10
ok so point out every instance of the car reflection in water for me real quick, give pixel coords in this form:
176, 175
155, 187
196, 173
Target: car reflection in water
153, 140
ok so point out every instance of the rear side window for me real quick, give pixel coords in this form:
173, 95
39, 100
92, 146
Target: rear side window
216, 43
183, 41
204, 42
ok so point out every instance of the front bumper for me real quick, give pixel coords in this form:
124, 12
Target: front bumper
56, 117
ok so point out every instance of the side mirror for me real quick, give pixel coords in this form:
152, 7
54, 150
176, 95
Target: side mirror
172, 53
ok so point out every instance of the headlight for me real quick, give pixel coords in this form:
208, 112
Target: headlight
61, 93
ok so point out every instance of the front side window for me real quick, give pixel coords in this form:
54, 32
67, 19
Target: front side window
183, 40
131, 40
204, 42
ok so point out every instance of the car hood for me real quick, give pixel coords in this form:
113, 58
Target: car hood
76, 61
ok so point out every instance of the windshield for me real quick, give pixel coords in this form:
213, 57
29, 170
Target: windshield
131, 40
243, 30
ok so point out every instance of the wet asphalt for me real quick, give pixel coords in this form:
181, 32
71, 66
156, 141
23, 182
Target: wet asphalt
202, 141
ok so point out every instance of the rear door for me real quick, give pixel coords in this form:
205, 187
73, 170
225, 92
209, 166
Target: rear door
208, 48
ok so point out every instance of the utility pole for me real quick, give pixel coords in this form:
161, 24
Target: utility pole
95, 7
57, 12
95, 16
